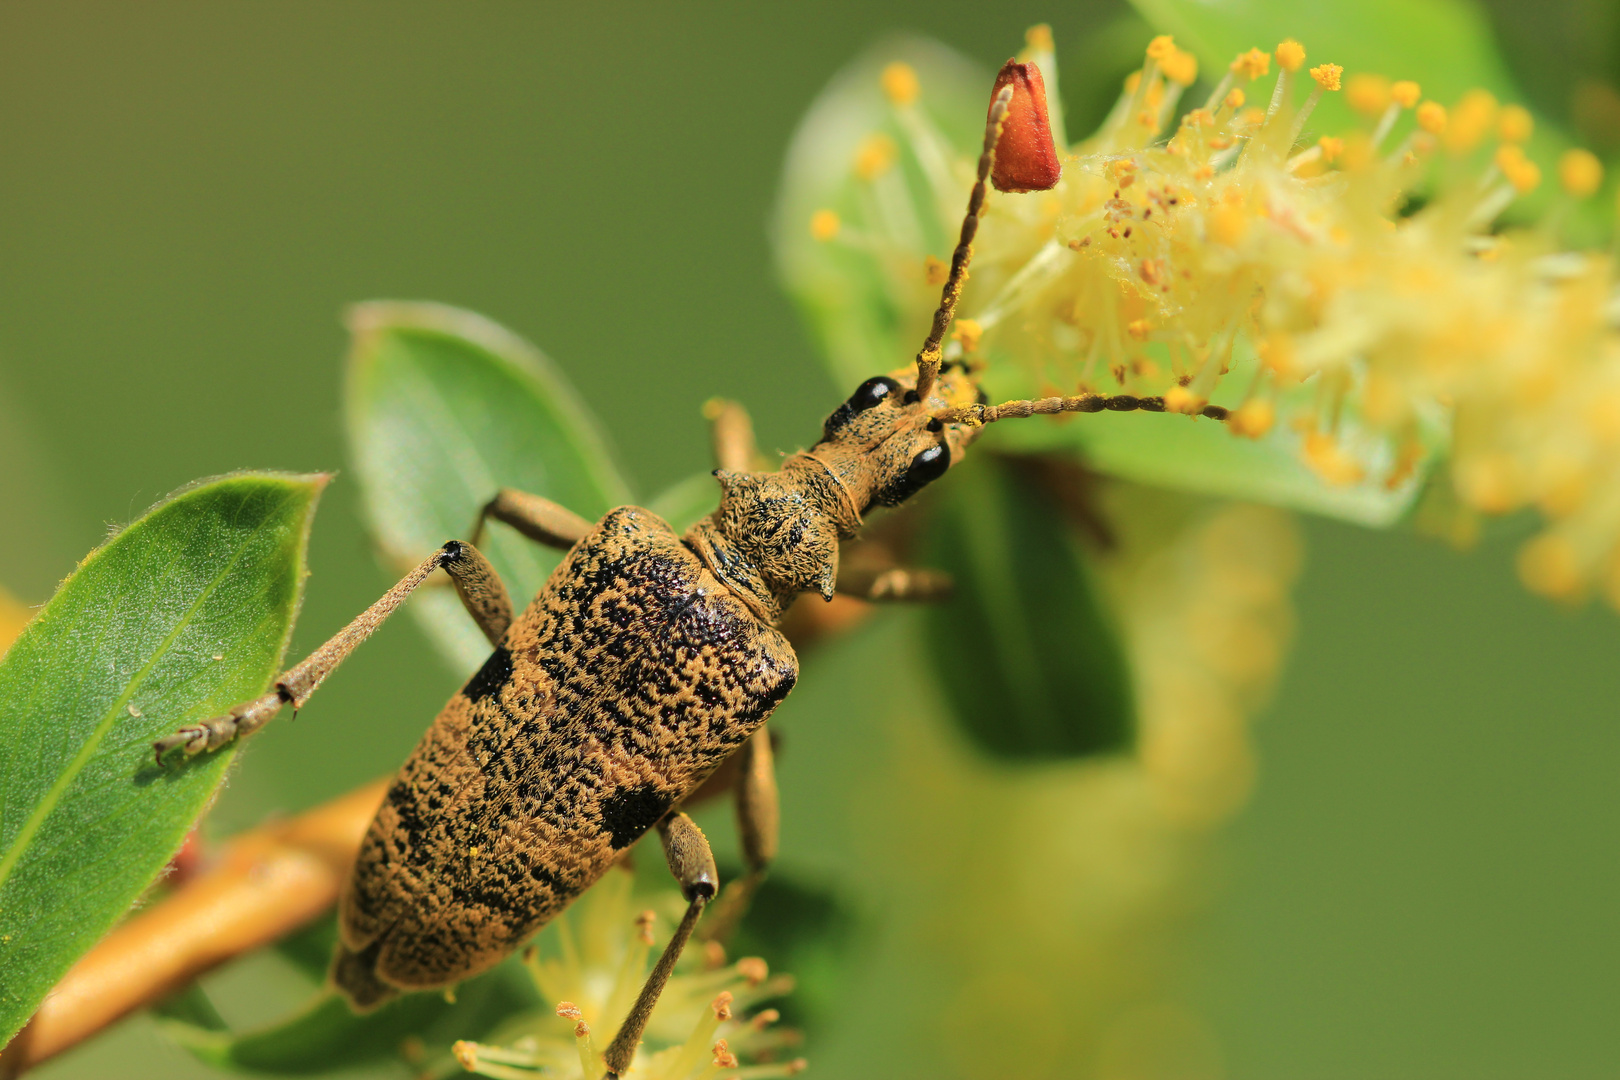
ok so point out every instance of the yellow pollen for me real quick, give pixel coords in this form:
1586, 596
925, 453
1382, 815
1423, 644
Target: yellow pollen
875, 156
900, 83
1322, 453
1549, 565
1252, 117
1180, 67
824, 224
1039, 37
935, 271
568, 1010
1520, 171
1367, 94
1290, 55
1178, 399
1332, 147
1199, 118
1327, 76
1406, 93
1515, 124
1580, 172
1252, 419
968, 332
1276, 352
1431, 117
1204, 172
1253, 64
1474, 115
1132, 81
1139, 329
1161, 47
1235, 98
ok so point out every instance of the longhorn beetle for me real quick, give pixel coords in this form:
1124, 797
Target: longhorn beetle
646, 661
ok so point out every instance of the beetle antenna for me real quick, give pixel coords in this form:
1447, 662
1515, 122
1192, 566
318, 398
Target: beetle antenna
928, 360
977, 415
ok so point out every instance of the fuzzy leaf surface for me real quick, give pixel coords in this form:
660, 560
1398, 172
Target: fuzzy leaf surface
176, 618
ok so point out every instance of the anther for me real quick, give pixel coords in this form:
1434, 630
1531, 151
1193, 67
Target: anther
753, 969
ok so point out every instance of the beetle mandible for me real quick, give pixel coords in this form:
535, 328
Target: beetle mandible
645, 662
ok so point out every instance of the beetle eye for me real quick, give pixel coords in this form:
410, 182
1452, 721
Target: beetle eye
870, 394
929, 465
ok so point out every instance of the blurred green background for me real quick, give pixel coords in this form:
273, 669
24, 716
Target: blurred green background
1425, 883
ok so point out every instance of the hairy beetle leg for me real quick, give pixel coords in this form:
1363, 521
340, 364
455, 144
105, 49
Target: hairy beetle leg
537, 518
758, 824
481, 592
690, 860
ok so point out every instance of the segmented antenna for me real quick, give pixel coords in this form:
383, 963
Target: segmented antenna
928, 360
977, 415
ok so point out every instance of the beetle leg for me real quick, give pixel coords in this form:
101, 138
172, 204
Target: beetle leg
541, 520
894, 583
481, 593
758, 823
731, 433
692, 863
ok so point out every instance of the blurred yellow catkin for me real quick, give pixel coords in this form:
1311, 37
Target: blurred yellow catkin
1353, 297
13, 617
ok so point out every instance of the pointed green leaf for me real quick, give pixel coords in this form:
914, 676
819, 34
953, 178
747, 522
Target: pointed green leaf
176, 618
1028, 658
325, 1035
445, 407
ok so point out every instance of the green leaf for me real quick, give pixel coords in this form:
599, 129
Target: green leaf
176, 618
1029, 660
326, 1035
1445, 45
444, 407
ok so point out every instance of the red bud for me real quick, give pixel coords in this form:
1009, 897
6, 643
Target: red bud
1026, 160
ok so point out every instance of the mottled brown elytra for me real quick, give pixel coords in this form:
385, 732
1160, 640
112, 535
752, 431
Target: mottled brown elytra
646, 661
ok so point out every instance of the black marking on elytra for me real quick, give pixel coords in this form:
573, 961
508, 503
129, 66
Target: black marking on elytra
629, 812
496, 673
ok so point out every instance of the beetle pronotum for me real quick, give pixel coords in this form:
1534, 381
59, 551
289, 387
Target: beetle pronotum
646, 661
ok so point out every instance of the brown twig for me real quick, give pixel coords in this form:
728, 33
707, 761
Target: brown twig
269, 882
